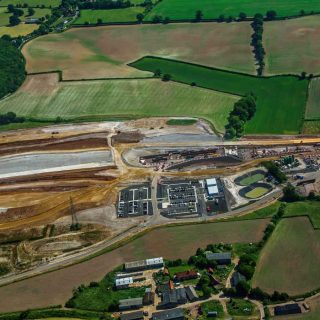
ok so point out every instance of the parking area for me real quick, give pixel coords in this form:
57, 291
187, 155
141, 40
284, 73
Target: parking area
135, 201
190, 198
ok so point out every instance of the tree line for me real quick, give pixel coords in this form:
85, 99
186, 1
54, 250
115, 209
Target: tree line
105, 4
256, 42
243, 111
12, 68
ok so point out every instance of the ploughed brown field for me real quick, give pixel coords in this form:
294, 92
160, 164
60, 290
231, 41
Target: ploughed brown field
170, 242
84, 53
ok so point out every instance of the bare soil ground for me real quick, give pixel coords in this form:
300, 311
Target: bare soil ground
83, 53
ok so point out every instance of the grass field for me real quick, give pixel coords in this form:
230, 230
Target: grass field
310, 208
43, 97
292, 46
257, 192
311, 127
109, 16
5, 15
277, 97
252, 179
313, 103
32, 3
186, 9
19, 30
290, 260
213, 305
262, 213
101, 52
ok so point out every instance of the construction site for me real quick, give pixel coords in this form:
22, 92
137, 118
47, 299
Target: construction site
67, 187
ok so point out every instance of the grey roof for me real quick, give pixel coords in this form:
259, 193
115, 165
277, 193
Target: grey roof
130, 302
181, 294
236, 278
168, 314
218, 256
137, 315
191, 293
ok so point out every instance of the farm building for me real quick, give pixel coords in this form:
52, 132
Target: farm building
174, 314
123, 282
191, 293
138, 315
220, 258
173, 297
186, 275
291, 308
129, 304
148, 298
144, 264
236, 278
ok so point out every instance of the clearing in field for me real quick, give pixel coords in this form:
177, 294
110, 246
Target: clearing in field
109, 16
290, 260
42, 96
19, 30
186, 9
100, 52
309, 208
277, 97
292, 46
313, 103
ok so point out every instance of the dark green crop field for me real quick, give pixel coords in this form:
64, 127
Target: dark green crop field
186, 9
281, 100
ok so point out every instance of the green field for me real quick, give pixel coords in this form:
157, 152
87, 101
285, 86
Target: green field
19, 30
309, 208
4, 15
292, 46
41, 99
31, 3
311, 127
252, 179
290, 260
262, 213
186, 9
313, 103
277, 97
257, 192
109, 16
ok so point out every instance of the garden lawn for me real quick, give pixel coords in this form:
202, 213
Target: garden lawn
109, 16
292, 46
43, 97
213, 305
186, 9
277, 97
290, 260
309, 208
239, 307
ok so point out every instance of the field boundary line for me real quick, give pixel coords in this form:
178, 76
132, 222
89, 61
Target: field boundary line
213, 68
172, 21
